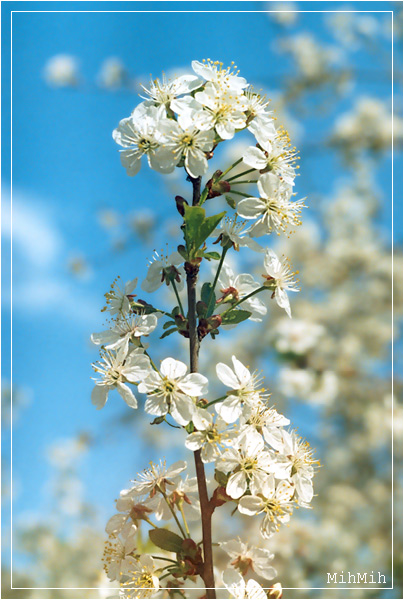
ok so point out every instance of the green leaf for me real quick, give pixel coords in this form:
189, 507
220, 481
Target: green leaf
190, 427
168, 324
211, 255
198, 228
221, 478
208, 299
194, 217
168, 332
235, 316
166, 540
209, 225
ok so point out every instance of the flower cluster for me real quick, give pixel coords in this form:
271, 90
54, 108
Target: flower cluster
260, 466
181, 122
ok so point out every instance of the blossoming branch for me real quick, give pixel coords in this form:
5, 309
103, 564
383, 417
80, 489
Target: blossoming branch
261, 468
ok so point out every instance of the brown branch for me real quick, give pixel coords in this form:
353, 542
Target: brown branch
206, 509
196, 186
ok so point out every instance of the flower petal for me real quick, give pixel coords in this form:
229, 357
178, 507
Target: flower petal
99, 395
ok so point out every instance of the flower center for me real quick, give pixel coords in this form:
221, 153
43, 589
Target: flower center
188, 141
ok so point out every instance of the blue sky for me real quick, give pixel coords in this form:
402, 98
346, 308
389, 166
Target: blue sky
66, 167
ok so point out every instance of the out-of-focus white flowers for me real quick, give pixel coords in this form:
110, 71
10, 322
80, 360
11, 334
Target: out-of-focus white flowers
283, 13
113, 74
62, 70
352, 28
297, 336
313, 60
368, 126
305, 384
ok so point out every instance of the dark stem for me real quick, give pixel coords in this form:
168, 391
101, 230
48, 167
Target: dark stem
196, 186
206, 510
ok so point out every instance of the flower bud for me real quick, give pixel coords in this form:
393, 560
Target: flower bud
181, 202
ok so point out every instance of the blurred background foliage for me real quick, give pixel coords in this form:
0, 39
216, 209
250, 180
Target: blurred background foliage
329, 368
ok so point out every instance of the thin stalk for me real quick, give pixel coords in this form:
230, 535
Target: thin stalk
239, 193
150, 522
244, 299
181, 507
245, 181
164, 558
240, 174
219, 268
229, 169
151, 361
206, 510
173, 513
177, 296
216, 401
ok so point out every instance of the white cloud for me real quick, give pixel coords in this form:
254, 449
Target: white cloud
41, 282
33, 232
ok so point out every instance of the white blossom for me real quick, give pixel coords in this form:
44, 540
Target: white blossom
117, 557
234, 287
260, 420
259, 114
161, 269
142, 580
124, 330
275, 155
245, 557
172, 391
222, 109
224, 77
158, 476
117, 369
249, 465
274, 501
295, 462
183, 140
272, 210
210, 440
139, 135
235, 231
241, 590
182, 493
280, 279
243, 389
117, 301
163, 92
